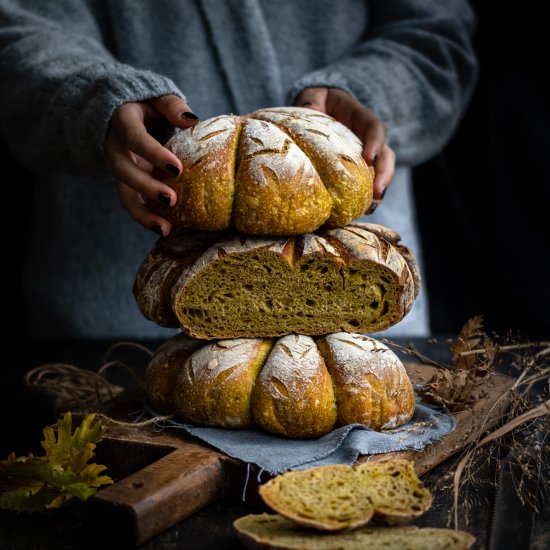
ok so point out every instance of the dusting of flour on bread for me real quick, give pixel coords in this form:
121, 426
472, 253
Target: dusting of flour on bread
294, 360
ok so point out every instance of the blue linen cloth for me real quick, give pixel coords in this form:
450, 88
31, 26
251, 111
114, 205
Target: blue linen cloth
343, 445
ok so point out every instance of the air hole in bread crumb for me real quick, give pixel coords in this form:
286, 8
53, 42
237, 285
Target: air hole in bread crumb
195, 313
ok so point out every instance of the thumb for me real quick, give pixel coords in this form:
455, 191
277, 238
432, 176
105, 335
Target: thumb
175, 110
313, 98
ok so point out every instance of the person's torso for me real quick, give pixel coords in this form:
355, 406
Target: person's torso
233, 55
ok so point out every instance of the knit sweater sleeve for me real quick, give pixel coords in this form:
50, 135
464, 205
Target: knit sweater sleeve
60, 85
416, 69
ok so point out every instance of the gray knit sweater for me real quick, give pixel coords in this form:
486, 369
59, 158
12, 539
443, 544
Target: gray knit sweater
66, 65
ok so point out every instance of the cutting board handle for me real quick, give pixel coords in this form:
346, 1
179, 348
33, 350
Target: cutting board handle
159, 495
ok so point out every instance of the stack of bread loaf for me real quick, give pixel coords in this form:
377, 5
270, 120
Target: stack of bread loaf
273, 284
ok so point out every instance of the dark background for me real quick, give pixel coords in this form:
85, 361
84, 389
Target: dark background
483, 202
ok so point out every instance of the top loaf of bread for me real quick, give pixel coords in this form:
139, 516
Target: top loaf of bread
279, 171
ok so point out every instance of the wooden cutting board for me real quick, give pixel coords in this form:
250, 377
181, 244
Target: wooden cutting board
164, 477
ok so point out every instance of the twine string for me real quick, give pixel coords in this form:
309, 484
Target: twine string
75, 387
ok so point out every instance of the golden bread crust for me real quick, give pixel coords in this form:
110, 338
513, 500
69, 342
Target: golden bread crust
280, 171
281, 385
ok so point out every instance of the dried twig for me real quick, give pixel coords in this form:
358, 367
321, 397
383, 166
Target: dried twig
508, 348
538, 411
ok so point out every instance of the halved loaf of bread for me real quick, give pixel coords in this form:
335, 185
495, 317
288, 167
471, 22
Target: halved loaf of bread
274, 532
356, 279
294, 386
280, 171
340, 497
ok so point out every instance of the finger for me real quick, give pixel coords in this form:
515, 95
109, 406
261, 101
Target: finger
134, 205
126, 170
359, 119
312, 98
374, 140
175, 110
128, 123
384, 171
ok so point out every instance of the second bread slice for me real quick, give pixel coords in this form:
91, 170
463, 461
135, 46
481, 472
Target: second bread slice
265, 531
340, 497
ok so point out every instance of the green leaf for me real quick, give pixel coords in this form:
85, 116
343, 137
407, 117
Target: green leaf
23, 500
30, 483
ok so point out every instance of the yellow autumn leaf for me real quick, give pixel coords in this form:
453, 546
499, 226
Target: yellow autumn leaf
33, 483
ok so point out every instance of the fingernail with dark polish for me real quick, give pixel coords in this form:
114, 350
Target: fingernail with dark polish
164, 199
373, 207
306, 103
383, 193
157, 229
374, 159
189, 115
173, 169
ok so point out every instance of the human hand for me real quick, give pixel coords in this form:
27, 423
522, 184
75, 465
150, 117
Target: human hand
133, 153
364, 124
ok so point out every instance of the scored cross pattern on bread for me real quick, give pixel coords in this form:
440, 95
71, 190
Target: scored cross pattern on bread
280, 171
295, 386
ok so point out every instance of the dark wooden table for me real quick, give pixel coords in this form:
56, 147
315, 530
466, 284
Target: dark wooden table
25, 414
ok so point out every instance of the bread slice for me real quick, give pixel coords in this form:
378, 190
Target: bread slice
340, 497
274, 532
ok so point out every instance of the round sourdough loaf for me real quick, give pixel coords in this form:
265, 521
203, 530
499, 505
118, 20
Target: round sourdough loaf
280, 171
357, 279
295, 386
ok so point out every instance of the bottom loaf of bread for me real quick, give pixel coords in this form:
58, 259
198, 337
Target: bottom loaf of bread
296, 386
271, 531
